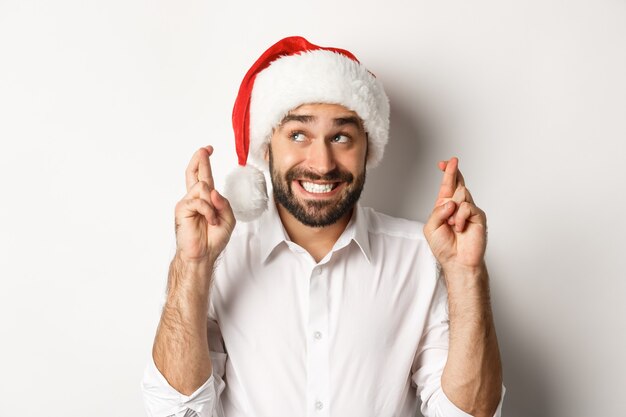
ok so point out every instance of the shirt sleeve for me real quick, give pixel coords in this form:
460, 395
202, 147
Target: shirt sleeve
162, 400
446, 408
431, 358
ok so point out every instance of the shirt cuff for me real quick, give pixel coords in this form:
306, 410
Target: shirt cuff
162, 400
445, 407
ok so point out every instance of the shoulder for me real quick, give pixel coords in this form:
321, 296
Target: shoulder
400, 250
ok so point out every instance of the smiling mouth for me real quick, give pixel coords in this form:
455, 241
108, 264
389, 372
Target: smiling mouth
315, 188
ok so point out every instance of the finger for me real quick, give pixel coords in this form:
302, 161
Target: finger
191, 172
191, 207
460, 180
461, 216
200, 190
468, 196
468, 213
222, 205
439, 216
204, 167
461, 195
448, 182
442, 167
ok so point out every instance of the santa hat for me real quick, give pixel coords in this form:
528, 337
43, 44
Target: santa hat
290, 73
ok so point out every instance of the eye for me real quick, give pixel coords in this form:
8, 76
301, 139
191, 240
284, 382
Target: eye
297, 136
340, 139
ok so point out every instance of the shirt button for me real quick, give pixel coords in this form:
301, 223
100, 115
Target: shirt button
319, 271
319, 405
317, 335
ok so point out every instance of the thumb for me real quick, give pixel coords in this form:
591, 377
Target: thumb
222, 205
440, 216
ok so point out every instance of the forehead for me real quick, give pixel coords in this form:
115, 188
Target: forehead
323, 114
323, 109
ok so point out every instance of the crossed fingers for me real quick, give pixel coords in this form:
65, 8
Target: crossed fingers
199, 199
451, 181
199, 169
199, 183
453, 189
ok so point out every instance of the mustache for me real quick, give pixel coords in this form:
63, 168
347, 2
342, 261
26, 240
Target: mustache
330, 176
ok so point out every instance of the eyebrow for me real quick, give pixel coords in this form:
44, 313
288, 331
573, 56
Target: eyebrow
302, 118
350, 120
340, 121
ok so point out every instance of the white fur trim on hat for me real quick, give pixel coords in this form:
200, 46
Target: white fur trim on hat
318, 76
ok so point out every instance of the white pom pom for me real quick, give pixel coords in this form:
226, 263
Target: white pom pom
246, 191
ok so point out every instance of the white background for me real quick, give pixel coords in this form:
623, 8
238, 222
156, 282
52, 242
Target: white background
103, 102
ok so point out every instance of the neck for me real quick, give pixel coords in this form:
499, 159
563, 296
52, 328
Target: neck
317, 241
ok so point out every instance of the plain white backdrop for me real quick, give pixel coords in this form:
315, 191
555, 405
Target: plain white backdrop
102, 104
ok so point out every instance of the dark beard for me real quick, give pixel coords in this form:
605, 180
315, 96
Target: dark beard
316, 213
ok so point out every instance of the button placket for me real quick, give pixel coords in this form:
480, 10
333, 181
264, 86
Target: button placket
318, 372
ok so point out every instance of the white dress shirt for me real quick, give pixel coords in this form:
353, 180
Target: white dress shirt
364, 332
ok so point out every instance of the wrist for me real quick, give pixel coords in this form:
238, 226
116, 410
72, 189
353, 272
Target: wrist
463, 278
196, 262
192, 275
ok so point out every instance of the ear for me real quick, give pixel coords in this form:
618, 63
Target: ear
267, 145
266, 154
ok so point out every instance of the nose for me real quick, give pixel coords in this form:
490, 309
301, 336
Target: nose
320, 157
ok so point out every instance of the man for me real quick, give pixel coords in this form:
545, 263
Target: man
321, 307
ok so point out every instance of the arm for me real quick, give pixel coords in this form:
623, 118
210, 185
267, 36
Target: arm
204, 223
457, 234
181, 351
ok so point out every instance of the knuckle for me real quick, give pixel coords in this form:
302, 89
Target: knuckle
203, 187
206, 206
181, 207
202, 207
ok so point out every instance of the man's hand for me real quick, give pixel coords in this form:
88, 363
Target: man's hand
204, 223
456, 230
457, 234
204, 219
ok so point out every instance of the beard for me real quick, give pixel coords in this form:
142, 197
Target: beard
316, 213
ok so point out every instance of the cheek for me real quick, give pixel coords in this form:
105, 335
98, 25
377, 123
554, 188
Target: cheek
356, 157
285, 158
354, 160
283, 164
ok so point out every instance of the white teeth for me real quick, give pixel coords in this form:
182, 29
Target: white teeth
316, 188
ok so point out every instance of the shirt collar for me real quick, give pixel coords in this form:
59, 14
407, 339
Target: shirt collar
272, 232
358, 232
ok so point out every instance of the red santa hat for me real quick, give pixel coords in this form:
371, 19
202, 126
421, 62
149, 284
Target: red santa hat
291, 73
